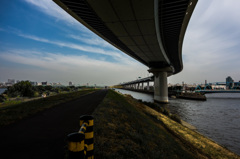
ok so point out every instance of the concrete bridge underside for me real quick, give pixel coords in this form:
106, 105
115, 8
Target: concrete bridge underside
150, 31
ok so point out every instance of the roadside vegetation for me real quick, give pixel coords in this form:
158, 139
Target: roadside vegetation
12, 111
24, 91
126, 128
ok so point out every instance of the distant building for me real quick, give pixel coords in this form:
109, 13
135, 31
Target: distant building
44, 83
229, 82
57, 84
218, 87
8, 84
70, 83
33, 83
229, 79
11, 81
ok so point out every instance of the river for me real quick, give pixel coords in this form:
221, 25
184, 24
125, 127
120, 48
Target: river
218, 118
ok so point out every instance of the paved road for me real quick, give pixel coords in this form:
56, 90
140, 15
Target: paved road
43, 136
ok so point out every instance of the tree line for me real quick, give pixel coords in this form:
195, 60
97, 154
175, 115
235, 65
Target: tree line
26, 89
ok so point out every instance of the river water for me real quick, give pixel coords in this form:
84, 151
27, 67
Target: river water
218, 118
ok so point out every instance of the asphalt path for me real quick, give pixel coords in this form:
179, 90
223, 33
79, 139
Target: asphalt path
43, 135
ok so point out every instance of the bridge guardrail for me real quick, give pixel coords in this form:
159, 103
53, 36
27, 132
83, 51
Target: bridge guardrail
81, 143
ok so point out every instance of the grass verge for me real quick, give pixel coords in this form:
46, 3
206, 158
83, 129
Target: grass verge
125, 128
125, 131
18, 111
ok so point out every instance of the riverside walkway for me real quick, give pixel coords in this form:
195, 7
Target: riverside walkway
44, 134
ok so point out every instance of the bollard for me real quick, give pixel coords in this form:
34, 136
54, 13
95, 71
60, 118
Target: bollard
89, 141
76, 145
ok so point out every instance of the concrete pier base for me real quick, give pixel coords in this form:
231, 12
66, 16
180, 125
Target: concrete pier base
160, 87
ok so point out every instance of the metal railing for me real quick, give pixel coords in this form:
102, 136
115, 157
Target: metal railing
81, 143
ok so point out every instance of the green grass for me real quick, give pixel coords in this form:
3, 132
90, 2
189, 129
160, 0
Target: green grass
123, 131
17, 111
10, 102
126, 128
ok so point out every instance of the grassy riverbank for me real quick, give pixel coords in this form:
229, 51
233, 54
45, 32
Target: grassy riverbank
15, 112
125, 128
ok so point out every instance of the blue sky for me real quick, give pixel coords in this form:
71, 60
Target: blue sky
40, 42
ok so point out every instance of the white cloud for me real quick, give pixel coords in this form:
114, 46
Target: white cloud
94, 40
115, 54
50, 8
71, 67
56, 60
85, 48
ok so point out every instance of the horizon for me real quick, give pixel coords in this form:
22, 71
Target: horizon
90, 84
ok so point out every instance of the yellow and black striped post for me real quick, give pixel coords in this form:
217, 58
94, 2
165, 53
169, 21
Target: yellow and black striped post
88, 141
76, 145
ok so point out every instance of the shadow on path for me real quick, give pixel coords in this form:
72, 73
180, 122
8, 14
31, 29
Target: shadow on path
43, 135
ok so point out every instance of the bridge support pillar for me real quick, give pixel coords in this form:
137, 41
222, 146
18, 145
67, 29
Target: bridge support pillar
161, 87
160, 84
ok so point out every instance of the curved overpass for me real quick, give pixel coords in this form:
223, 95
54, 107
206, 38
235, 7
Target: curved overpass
150, 31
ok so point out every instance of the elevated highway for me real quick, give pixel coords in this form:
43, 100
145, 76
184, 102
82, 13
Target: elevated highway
150, 31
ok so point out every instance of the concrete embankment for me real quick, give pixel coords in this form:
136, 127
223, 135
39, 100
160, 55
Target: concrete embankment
126, 128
